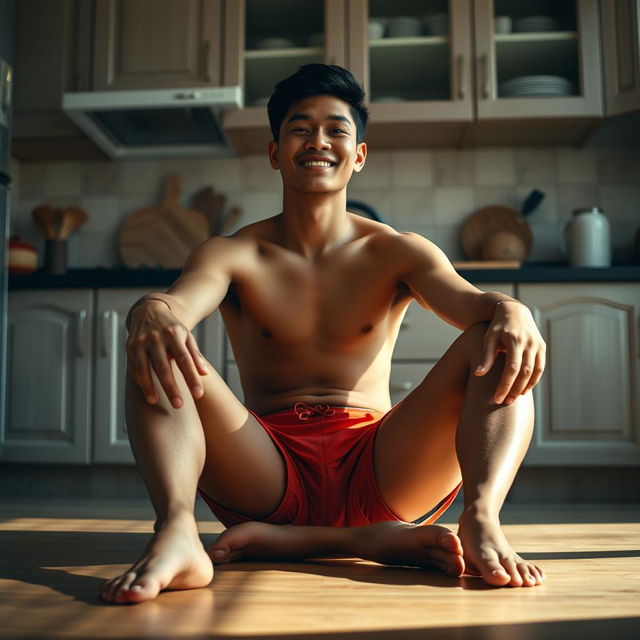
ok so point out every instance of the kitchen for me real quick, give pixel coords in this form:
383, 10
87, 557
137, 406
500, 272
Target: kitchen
438, 152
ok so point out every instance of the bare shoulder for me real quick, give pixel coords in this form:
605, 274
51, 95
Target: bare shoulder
408, 249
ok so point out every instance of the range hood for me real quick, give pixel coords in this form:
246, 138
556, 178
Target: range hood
155, 123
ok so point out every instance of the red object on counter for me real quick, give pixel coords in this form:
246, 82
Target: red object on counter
22, 257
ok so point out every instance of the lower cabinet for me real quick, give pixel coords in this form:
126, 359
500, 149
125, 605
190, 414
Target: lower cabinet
588, 400
66, 366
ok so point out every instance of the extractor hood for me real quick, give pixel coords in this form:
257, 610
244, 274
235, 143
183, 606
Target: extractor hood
155, 123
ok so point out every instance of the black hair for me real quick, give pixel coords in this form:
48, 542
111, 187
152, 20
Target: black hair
313, 80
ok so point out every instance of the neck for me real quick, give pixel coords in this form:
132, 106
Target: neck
315, 222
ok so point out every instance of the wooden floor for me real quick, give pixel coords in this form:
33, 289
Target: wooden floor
54, 555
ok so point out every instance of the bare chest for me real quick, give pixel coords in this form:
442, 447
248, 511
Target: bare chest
336, 303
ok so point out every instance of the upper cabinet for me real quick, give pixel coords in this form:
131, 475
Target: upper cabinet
161, 44
454, 72
621, 40
273, 39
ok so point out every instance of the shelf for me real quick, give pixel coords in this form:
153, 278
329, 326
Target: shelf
538, 54
408, 42
288, 52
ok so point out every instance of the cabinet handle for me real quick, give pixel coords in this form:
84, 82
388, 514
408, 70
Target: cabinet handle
484, 63
106, 342
206, 52
81, 316
461, 78
401, 386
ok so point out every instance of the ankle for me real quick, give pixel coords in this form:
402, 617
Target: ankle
177, 514
480, 511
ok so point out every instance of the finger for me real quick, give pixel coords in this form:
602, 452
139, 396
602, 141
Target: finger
184, 360
140, 368
512, 365
522, 381
198, 358
162, 367
488, 356
538, 370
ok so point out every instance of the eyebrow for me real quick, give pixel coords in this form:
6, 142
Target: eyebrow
333, 116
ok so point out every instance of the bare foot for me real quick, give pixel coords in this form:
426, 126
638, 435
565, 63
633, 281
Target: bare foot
173, 559
394, 543
488, 554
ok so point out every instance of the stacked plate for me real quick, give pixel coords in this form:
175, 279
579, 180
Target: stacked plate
533, 24
535, 86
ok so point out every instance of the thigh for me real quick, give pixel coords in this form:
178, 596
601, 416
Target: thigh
243, 469
415, 461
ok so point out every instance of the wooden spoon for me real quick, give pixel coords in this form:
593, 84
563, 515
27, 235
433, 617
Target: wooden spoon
46, 216
72, 218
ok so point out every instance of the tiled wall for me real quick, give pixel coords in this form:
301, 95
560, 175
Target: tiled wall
430, 192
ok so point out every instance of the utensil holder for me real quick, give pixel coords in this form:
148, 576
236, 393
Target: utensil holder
55, 257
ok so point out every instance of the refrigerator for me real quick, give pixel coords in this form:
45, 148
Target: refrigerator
7, 22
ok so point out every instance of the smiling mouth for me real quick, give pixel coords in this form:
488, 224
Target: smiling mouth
317, 164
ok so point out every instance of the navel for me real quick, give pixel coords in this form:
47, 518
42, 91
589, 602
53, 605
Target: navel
367, 328
267, 334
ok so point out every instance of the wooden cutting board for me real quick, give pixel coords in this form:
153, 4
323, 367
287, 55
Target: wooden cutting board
162, 235
486, 221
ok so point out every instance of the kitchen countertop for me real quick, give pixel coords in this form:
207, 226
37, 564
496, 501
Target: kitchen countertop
121, 278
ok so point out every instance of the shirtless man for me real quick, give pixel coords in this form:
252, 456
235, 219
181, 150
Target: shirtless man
312, 299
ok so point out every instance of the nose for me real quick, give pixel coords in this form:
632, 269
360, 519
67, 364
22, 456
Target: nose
317, 140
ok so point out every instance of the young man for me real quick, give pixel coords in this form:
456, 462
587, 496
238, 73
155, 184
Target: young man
312, 300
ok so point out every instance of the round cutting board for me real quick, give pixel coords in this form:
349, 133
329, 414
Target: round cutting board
162, 235
486, 221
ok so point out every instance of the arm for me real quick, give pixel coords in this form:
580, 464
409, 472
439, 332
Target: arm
160, 324
435, 284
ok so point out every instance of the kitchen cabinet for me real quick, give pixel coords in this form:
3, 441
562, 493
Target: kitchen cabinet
155, 44
449, 75
588, 401
270, 41
66, 370
52, 56
621, 50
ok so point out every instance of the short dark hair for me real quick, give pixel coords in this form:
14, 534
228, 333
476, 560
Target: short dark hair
314, 80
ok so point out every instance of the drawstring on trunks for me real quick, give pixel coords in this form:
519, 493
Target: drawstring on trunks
305, 411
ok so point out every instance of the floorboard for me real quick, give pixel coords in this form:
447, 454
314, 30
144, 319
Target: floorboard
54, 555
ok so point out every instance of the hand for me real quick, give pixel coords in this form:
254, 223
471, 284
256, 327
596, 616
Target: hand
155, 337
514, 331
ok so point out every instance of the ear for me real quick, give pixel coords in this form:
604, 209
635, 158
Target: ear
361, 156
273, 155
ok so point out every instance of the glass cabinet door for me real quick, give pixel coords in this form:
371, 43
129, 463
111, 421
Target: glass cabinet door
416, 60
537, 58
282, 35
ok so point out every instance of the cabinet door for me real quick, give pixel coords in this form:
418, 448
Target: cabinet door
111, 443
621, 44
413, 58
537, 59
49, 372
153, 44
273, 39
587, 403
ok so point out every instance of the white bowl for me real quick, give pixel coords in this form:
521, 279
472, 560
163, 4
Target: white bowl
375, 29
404, 27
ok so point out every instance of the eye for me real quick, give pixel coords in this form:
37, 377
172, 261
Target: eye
338, 130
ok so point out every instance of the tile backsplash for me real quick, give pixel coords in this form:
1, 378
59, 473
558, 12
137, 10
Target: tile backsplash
429, 192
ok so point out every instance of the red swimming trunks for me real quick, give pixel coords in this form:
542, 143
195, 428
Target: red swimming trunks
328, 453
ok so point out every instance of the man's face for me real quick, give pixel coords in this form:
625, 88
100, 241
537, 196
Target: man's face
317, 151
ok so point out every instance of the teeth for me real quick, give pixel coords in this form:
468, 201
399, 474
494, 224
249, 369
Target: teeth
316, 163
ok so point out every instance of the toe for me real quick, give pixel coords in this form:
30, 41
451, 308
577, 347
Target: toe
512, 569
527, 578
144, 588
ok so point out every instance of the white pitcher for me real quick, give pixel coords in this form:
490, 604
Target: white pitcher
587, 238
